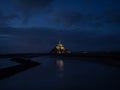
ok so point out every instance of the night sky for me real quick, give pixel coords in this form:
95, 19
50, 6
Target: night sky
37, 25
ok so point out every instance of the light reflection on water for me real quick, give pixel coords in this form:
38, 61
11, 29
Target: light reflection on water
63, 73
60, 65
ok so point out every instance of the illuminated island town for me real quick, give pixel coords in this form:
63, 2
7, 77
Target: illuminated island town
60, 49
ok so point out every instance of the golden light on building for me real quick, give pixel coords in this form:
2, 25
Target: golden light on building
60, 49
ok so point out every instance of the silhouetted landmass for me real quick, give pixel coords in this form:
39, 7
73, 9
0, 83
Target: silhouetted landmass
93, 54
10, 71
73, 54
23, 55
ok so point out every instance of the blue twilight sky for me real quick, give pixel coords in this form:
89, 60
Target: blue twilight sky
87, 14
76, 22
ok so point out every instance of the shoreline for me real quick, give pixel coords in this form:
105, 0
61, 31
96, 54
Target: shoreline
73, 54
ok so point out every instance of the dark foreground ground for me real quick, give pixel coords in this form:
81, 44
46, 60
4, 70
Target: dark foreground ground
61, 73
108, 58
24, 65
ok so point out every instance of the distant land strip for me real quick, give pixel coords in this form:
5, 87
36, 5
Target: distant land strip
73, 54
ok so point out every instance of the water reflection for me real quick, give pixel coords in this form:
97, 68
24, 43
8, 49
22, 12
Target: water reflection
60, 66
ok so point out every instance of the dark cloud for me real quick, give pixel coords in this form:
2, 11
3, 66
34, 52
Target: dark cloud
112, 16
30, 7
6, 19
74, 18
27, 5
68, 18
3, 22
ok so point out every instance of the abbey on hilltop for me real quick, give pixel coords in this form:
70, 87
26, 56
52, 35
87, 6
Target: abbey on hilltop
59, 49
